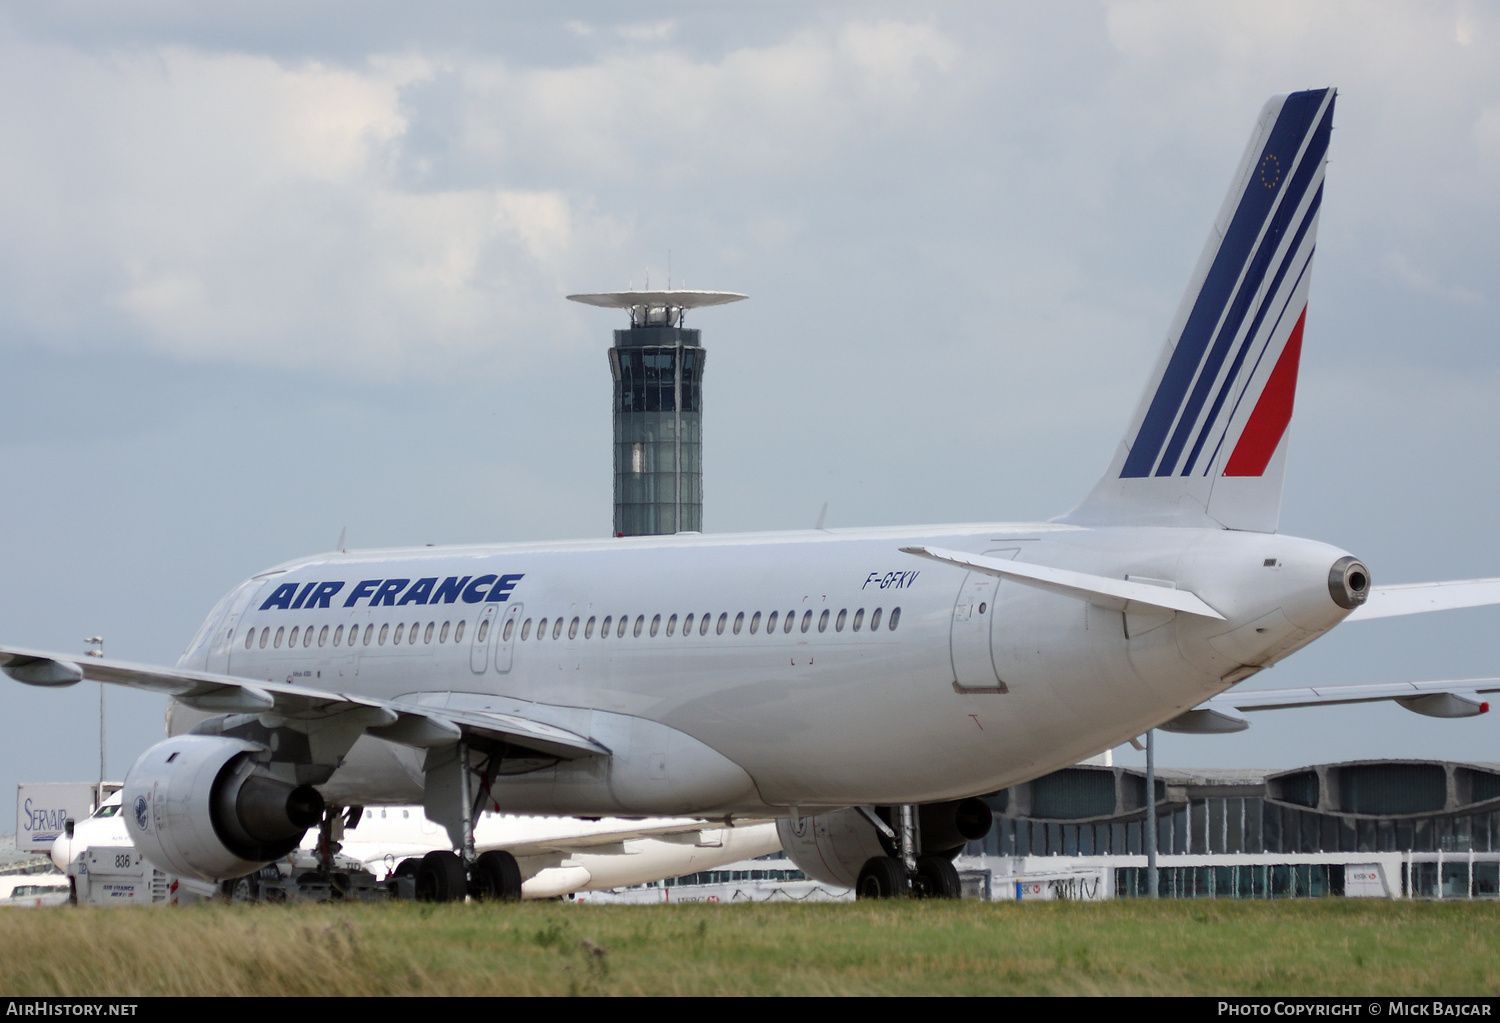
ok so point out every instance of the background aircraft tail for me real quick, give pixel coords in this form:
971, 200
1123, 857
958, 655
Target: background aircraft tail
1207, 445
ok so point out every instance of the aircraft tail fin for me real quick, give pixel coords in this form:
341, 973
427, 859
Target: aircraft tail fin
1207, 445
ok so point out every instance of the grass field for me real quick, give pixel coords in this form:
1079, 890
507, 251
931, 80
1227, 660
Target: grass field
1330, 946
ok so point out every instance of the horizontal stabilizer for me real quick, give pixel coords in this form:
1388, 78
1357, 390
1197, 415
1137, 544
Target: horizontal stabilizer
1124, 593
1419, 598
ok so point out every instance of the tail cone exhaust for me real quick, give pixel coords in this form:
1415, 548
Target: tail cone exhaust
1349, 583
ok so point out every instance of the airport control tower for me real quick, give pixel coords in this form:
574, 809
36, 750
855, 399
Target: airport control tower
658, 370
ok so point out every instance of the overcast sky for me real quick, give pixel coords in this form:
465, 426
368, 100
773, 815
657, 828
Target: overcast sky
269, 270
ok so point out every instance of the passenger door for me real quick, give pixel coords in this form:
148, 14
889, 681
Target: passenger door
969, 640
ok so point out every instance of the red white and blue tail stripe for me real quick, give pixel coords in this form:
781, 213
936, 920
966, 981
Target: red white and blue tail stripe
1208, 442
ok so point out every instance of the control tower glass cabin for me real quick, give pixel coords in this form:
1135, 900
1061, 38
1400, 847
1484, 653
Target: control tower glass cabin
657, 365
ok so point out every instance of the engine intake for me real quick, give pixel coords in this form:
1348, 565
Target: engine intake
201, 806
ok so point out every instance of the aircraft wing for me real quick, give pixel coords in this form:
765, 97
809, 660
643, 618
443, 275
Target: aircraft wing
401, 722
609, 837
1445, 698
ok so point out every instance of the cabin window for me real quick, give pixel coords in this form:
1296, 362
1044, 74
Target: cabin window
525, 630
640, 623
385, 631
687, 625
703, 623
604, 629
412, 632
443, 632
655, 625
770, 623
573, 629
400, 631
249, 638
338, 635
307, 636
588, 628
806, 620
557, 629
739, 622
838, 623
323, 636
510, 628
277, 641
671, 625
292, 639
791, 619
723, 620
369, 632
875, 620
823, 621
754, 622
620, 629
458, 632
859, 618
895, 618
541, 629
484, 631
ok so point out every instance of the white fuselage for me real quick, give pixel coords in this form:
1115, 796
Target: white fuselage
967, 684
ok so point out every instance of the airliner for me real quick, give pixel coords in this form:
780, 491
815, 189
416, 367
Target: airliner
875, 680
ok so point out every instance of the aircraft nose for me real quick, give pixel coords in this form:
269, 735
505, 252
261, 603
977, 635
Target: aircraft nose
1349, 583
61, 851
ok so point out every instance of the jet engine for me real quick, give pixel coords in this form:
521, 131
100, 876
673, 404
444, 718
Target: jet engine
202, 806
834, 847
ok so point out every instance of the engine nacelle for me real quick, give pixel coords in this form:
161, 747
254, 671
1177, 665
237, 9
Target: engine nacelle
833, 847
200, 806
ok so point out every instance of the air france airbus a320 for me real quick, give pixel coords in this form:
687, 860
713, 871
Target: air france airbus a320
864, 684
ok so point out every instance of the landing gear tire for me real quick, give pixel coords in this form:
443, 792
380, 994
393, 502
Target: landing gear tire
937, 878
495, 878
242, 889
882, 877
440, 878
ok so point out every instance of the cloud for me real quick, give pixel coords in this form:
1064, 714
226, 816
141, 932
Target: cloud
232, 206
1400, 269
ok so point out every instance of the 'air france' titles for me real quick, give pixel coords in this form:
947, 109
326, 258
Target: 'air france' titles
484, 589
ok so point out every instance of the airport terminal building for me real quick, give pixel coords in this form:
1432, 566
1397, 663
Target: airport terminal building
1382, 828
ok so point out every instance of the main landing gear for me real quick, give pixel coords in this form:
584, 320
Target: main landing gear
444, 876
906, 875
